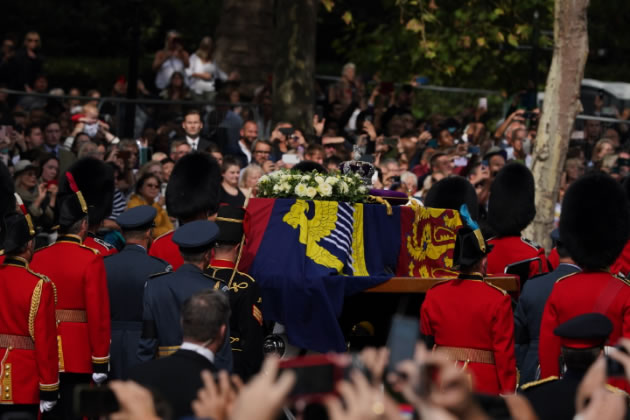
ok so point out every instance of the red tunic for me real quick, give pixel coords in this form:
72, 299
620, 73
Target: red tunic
577, 294
511, 249
163, 247
82, 303
29, 370
100, 245
622, 265
470, 313
553, 259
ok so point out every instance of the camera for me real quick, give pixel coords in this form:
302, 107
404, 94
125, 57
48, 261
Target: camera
614, 369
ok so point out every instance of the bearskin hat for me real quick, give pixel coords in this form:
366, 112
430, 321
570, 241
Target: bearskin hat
95, 180
193, 186
595, 220
511, 206
451, 193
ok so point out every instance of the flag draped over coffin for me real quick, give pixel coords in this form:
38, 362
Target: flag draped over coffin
297, 249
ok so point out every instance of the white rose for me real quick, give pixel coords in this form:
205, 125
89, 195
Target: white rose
306, 178
319, 179
325, 189
276, 188
263, 179
285, 186
343, 187
363, 189
300, 190
311, 192
331, 180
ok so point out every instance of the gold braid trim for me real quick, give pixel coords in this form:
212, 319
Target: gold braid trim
37, 294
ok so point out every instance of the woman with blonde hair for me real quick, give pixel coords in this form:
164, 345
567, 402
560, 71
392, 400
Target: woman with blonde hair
249, 178
602, 148
203, 72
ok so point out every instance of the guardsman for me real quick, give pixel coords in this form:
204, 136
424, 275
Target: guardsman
510, 209
95, 179
29, 371
82, 311
246, 321
127, 273
582, 339
471, 320
165, 293
594, 227
192, 194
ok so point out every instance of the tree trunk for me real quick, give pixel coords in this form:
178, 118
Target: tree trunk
244, 41
561, 106
294, 65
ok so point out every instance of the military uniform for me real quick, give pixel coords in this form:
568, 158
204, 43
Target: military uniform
82, 303
165, 249
513, 249
479, 334
104, 248
28, 335
246, 322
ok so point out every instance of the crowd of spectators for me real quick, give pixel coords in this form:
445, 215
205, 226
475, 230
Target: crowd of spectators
354, 118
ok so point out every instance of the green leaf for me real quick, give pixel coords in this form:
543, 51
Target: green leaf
512, 40
499, 12
414, 25
481, 41
428, 17
347, 17
328, 4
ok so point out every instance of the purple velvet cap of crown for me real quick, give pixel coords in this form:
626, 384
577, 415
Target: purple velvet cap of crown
395, 198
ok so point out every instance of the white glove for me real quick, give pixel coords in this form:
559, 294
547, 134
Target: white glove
99, 378
45, 406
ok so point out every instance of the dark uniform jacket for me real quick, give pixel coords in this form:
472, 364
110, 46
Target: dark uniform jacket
246, 322
28, 335
82, 311
528, 316
553, 398
127, 273
164, 296
176, 378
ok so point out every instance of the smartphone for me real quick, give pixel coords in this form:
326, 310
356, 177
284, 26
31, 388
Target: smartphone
94, 401
614, 369
402, 339
316, 376
290, 158
287, 131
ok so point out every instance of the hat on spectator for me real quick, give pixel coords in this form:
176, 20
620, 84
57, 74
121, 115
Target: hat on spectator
511, 206
193, 187
197, 236
23, 166
595, 221
584, 331
493, 151
230, 222
451, 193
95, 179
138, 218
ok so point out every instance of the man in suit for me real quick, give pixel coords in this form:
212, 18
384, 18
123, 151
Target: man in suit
165, 293
177, 378
52, 138
192, 126
529, 311
127, 274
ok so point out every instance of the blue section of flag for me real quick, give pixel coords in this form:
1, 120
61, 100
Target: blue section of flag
307, 297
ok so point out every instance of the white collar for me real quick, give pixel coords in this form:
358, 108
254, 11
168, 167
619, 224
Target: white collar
205, 352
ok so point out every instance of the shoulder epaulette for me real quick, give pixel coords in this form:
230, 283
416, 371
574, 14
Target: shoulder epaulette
531, 243
38, 275
539, 382
162, 235
622, 278
168, 267
214, 278
152, 276
104, 244
568, 275
487, 283
95, 251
